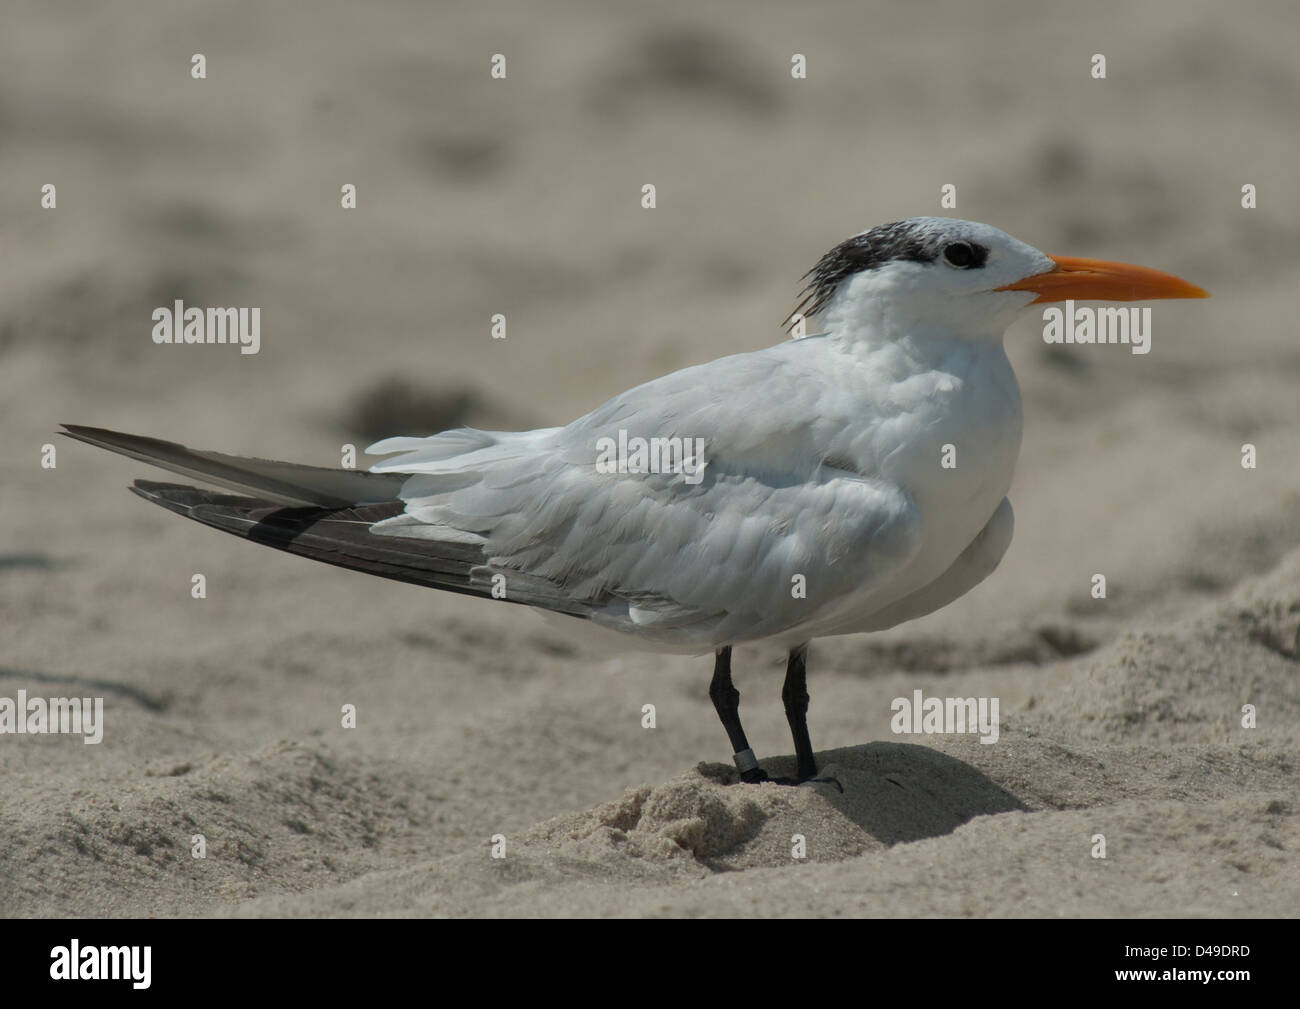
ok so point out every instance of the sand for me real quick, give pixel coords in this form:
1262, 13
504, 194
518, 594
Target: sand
1120, 717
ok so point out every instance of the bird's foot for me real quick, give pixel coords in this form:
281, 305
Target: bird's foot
758, 776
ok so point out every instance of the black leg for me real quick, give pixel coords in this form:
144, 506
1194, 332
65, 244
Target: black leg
726, 700
795, 696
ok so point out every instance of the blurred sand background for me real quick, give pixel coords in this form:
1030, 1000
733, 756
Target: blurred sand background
1119, 717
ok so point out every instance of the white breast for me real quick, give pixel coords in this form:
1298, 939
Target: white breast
957, 403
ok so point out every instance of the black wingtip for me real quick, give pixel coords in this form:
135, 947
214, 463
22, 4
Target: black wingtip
93, 435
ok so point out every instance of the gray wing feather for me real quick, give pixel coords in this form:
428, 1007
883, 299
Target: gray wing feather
283, 483
711, 562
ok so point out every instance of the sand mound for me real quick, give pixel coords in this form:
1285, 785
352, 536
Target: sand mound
874, 795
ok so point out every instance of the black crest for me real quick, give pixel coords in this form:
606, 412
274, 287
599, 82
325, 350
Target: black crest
919, 241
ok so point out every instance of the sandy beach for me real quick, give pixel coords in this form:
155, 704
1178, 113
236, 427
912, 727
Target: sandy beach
1164, 718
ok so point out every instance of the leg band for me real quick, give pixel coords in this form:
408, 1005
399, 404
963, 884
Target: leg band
745, 760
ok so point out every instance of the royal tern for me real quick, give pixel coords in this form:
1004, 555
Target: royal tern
843, 482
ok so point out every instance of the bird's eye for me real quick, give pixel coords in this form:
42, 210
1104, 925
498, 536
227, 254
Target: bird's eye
958, 254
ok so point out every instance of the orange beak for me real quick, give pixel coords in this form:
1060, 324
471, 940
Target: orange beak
1099, 280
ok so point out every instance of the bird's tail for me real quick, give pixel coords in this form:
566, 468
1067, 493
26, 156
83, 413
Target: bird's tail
339, 536
324, 514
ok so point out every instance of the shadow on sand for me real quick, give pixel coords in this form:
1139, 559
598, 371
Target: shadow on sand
895, 791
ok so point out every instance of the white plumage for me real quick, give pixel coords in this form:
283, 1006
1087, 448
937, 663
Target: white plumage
823, 462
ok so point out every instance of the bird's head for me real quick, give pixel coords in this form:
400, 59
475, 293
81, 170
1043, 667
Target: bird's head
962, 276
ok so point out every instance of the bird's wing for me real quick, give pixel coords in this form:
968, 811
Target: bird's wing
284, 483
711, 562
